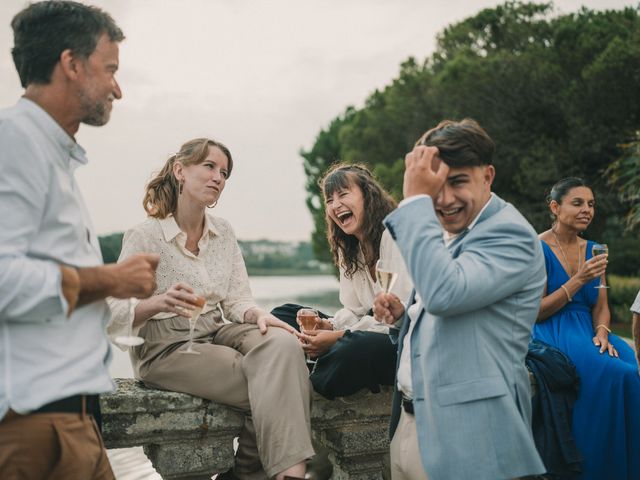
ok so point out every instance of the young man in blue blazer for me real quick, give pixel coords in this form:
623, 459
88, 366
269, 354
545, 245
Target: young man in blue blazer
462, 407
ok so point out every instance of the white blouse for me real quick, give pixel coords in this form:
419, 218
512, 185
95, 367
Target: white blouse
358, 292
218, 271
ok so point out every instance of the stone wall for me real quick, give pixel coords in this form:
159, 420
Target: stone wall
186, 437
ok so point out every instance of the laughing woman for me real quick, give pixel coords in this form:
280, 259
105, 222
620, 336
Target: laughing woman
253, 363
353, 350
574, 317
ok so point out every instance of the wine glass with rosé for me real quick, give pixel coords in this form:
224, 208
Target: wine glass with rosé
198, 303
307, 318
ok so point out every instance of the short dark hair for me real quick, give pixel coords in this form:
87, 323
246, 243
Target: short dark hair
43, 30
461, 144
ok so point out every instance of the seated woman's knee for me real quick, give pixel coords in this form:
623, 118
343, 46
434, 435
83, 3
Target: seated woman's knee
284, 341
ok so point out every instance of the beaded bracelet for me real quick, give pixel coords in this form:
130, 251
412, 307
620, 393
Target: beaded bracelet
566, 291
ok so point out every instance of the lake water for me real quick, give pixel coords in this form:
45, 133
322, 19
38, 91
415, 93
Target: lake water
318, 291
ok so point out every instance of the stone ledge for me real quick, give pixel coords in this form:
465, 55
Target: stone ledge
188, 437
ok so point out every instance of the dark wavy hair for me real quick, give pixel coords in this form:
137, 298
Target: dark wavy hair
161, 193
43, 30
377, 205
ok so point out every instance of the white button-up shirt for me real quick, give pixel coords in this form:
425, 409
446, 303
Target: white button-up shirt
44, 356
218, 271
358, 292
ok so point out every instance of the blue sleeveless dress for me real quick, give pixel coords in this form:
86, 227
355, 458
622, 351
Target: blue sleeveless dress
606, 416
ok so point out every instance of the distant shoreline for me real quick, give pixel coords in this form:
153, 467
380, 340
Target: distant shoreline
273, 272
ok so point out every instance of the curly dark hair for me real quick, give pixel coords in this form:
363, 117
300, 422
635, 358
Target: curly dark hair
43, 30
377, 205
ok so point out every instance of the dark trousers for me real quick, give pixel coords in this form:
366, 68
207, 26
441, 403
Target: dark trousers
357, 360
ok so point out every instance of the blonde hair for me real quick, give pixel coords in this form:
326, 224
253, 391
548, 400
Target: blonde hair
161, 193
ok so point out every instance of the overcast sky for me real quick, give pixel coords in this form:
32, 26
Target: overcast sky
263, 77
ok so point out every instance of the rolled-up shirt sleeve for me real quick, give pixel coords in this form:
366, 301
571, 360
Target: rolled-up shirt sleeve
30, 288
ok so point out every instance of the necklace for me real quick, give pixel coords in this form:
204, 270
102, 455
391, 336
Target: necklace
564, 255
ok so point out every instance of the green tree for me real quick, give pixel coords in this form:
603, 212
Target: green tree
558, 94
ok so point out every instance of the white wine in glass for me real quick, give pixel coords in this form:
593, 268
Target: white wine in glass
386, 277
130, 340
198, 305
599, 249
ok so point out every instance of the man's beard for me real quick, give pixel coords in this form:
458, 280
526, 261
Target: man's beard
96, 115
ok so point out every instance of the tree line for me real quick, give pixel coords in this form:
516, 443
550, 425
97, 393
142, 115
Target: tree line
559, 94
261, 257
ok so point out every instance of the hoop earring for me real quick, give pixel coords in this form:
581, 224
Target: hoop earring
213, 204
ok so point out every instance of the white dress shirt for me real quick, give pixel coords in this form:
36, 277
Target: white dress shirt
358, 292
218, 271
44, 356
405, 384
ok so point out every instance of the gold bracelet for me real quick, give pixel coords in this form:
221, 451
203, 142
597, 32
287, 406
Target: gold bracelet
566, 291
602, 325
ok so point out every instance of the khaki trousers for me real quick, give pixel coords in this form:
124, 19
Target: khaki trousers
264, 376
52, 446
406, 463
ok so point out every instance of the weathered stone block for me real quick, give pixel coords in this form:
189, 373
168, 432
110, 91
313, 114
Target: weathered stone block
186, 437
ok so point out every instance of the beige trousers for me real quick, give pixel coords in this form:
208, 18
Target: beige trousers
52, 446
406, 463
264, 376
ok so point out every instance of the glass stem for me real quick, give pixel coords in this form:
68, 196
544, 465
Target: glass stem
192, 327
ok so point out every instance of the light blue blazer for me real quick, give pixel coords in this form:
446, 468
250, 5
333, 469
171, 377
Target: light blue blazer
470, 384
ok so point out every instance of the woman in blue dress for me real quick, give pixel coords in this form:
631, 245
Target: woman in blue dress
574, 317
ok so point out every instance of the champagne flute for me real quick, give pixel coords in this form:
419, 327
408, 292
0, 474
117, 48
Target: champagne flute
198, 305
386, 276
130, 340
599, 249
307, 319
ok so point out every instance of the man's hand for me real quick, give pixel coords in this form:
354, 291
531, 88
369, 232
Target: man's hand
425, 172
318, 342
387, 308
135, 276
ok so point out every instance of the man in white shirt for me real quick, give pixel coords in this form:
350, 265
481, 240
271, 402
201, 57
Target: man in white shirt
53, 348
462, 407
